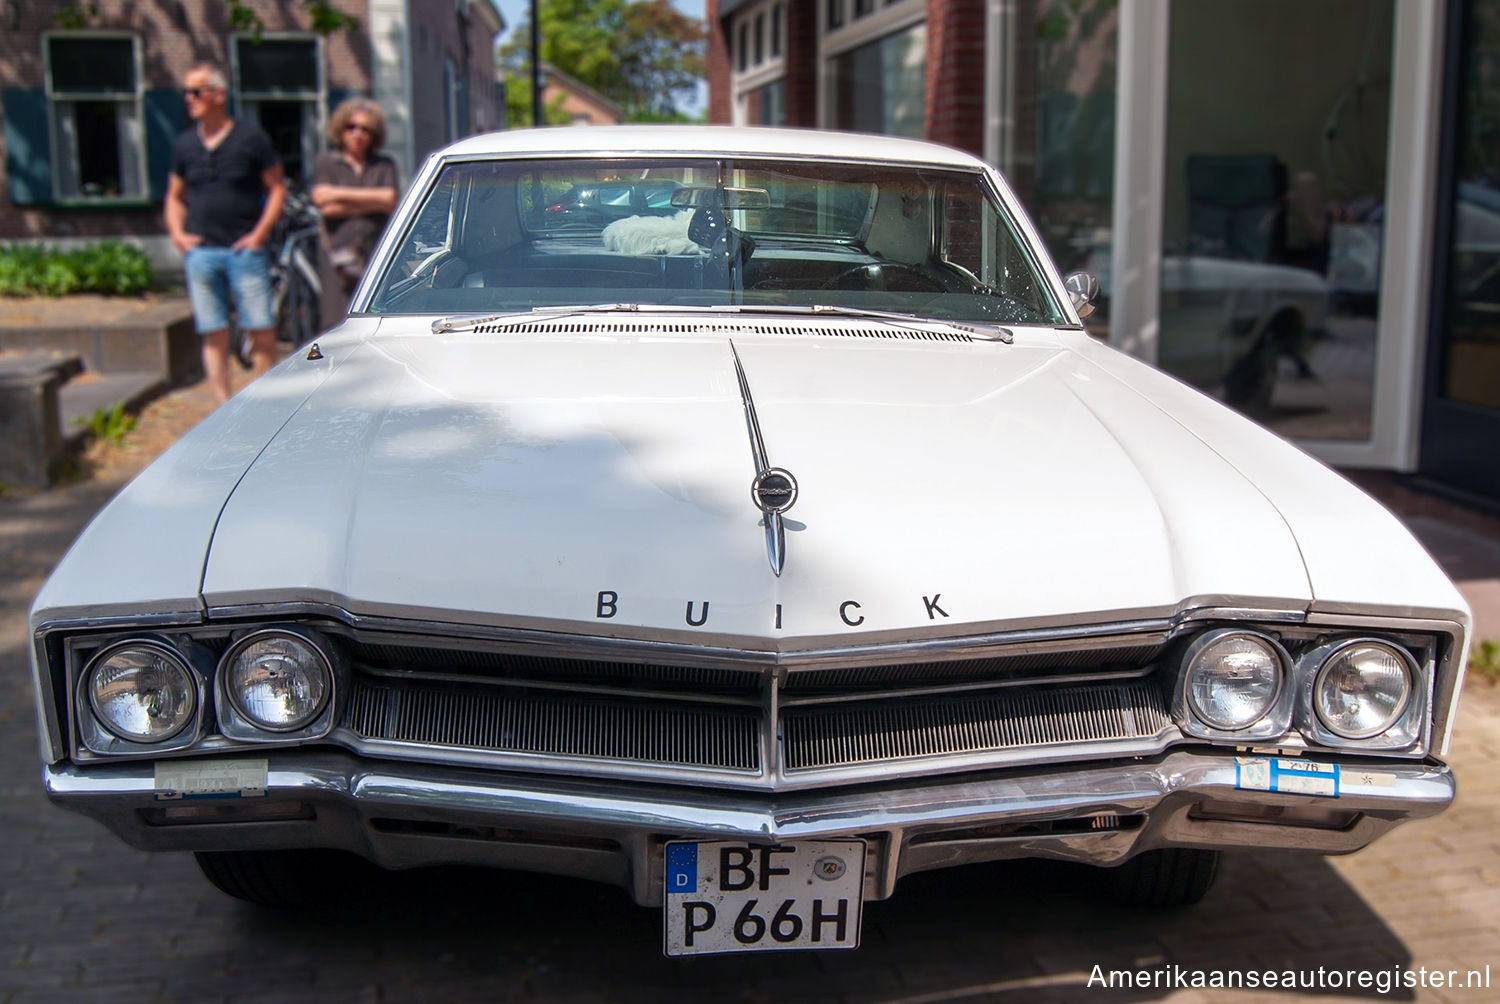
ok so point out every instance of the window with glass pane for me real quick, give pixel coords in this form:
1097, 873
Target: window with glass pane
278, 85
766, 105
94, 108
698, 232
1062, 160
881, 86
777, 14
277, 66
1275, 187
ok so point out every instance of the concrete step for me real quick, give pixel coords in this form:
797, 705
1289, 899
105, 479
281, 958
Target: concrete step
87, 393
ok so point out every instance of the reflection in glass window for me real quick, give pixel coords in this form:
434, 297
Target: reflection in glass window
94, 108
1063, 168
1274, 206
881, 87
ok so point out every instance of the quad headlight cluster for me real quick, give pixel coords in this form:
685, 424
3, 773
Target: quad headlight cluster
1244, 685
155, 693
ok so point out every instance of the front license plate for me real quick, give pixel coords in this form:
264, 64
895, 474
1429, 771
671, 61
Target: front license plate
731, 897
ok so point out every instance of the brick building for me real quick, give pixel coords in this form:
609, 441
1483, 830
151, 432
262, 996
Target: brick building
90, 113
1304, 199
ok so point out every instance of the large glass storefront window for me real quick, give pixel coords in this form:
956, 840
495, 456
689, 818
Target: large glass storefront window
1060, 93
1277, 126
880, 86
1470, 357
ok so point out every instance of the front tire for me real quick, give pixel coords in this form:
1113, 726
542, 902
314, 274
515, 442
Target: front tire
1170, 878
280, 879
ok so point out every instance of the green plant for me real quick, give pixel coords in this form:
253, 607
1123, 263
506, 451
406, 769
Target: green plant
1485, 660
110, 267
110, 426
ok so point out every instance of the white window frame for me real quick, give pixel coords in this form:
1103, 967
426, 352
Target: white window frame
131, 133
886, 19
315, 123
755, 75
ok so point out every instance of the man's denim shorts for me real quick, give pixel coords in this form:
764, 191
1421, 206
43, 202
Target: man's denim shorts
213, 274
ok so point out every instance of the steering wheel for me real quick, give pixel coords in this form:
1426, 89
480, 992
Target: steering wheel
875, 274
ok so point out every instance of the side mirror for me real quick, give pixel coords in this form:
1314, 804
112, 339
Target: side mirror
1083, 290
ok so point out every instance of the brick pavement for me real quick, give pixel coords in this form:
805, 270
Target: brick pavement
84, 918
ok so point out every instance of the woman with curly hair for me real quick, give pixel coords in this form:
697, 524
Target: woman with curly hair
355, 187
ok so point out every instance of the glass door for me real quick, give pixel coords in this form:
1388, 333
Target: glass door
1274, 208
1461, 414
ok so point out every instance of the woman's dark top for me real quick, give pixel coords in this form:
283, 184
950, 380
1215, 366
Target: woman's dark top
358, 232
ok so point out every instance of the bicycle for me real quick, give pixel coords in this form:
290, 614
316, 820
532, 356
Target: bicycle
296, 290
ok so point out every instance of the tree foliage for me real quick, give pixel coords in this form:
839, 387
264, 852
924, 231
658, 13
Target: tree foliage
644, 55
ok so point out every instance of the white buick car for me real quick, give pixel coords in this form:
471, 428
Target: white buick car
750, 554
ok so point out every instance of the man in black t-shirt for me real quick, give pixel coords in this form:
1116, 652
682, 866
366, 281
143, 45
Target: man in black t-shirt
223, 197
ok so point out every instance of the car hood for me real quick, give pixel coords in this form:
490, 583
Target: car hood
602, 482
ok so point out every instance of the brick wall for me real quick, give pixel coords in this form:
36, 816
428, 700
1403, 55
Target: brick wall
955, 73
802, 63
438, 32
720, 100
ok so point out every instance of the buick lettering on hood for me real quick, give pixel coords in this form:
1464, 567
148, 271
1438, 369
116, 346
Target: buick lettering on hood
750, 548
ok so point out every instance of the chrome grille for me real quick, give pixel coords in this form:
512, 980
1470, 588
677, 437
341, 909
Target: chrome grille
511, 666
755, 725
557, 724
996, 668
839, 735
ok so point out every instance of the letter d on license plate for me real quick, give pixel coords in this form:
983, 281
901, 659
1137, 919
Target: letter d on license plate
733, 897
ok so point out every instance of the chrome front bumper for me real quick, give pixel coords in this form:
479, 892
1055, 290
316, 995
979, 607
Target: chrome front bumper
408, 815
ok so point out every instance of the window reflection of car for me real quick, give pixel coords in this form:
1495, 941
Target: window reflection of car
1232, 326
598, 204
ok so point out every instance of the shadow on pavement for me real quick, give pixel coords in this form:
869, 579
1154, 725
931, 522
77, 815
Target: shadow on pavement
1007, 931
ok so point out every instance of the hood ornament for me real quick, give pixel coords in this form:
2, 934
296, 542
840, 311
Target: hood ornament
774, 490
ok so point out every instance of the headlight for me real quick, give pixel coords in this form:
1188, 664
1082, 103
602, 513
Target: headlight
1233, 680
278, 682
142, 692
1362, 690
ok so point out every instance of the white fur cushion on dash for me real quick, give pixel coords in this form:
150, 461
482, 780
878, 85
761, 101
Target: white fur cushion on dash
651, 235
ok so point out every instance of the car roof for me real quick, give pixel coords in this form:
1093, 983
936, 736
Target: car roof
708, 141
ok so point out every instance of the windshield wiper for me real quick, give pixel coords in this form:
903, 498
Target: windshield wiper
914, 322
468, 322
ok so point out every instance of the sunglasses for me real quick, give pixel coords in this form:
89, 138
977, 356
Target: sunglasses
197, 92
359, 127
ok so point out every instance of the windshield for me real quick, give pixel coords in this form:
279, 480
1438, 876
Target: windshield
512, 235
